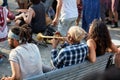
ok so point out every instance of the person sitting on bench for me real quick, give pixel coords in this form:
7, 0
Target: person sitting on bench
99, 40
25, 57
73, 53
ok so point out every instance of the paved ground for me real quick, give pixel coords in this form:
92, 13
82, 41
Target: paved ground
45, 51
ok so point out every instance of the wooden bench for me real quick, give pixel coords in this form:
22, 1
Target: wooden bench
75, 72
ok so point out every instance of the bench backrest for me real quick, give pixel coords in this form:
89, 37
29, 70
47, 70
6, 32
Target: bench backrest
76, 72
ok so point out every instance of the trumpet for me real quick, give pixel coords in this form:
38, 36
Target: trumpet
40, 37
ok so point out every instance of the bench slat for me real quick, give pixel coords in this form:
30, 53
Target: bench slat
76, 72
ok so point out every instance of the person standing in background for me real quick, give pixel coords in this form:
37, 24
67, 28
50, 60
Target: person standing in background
113, 13
103, 9
68, 13
91, 11
5, 3
79, 6
23, 4
4, 15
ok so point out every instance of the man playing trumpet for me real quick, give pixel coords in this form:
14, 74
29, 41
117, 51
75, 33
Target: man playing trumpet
73, 53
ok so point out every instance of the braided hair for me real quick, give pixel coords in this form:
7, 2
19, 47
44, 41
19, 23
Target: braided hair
24, 32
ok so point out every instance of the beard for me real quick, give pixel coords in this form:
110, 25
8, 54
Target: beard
11, 46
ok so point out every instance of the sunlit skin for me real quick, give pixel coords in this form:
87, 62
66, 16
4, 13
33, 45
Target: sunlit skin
14, 66
93, 45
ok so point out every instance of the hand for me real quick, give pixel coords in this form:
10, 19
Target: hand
7, 78
18, 17
55, 22
54, 42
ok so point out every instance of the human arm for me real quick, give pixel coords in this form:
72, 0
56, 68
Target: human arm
15, 72
58, 9
92, 50
78, 1
10, 15
57, 58
114, 48
21, 10
28, 15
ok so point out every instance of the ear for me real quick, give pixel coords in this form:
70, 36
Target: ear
16, 42
71, 39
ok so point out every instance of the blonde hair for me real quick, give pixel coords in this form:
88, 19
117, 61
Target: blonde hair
77, 33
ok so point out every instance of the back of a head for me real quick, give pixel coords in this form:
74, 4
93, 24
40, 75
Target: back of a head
24, 33
98, 29
100, 34
77, 33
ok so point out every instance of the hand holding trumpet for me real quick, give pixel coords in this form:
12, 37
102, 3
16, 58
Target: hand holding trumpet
56, 39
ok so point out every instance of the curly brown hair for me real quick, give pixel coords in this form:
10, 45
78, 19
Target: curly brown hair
100, 34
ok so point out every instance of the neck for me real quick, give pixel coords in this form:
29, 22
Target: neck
72, 43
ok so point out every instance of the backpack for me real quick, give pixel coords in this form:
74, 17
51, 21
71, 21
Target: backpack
110, 62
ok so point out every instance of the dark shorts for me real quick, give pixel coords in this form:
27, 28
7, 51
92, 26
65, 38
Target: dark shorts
113, 5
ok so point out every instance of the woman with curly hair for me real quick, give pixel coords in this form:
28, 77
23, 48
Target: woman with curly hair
99, 40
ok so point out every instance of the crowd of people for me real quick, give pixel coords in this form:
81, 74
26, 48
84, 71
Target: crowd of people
25, 57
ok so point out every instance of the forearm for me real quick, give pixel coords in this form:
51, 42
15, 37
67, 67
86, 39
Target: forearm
26, 18
13, 77
115, 49
78, 1
58, 9
54, 54
18, 17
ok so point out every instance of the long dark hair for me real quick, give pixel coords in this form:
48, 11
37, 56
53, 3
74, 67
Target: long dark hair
100, 34
24, 32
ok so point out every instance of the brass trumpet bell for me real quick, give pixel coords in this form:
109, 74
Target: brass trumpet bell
41, 37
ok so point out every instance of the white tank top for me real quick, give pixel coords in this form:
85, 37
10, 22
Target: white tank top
69, 9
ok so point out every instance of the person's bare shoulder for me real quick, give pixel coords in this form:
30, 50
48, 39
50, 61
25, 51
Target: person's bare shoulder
91, 42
